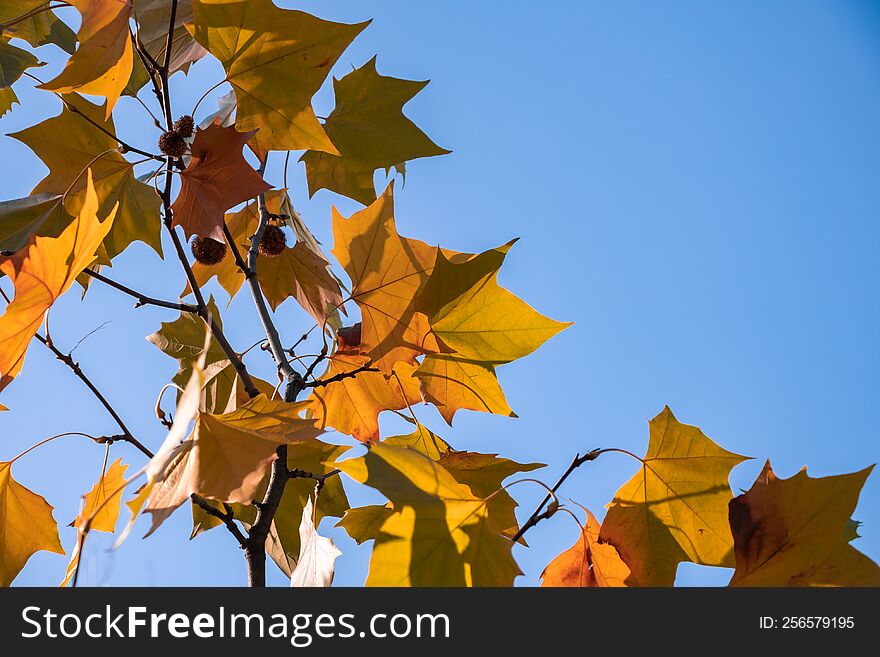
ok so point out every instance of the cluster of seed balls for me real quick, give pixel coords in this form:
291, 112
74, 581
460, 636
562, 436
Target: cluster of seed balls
206, 250
209, 251
173, 142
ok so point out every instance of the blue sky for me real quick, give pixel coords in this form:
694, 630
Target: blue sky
694, 184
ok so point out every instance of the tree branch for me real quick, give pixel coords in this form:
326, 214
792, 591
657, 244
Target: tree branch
167, 220
126, 435
142, 299
250, 272
255, 552
539, 513
296, 473
340, 377
228, 518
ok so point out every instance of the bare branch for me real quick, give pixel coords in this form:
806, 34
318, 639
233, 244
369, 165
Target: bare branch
341, 376
142, 299
540, 513
126, 435
296, 473
227, 516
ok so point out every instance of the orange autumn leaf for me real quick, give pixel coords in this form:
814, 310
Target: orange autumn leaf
387, 272
99, 512
216, 179
300, 273
587, 563
102, 64
352, 405
26, 526
103, 502
43, 271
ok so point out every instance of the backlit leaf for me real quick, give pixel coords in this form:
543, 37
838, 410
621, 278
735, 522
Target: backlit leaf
587, 563
84, 146
40, 28
317, 555
276, 60
216, 179
796, 532
440, 534
371, 132
674, 508
387, 271
26, 526
102, 64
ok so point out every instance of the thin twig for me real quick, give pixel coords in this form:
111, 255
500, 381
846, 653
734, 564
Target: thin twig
142, 299
541, 514
340, 377
296, 473
284, 367
126, 435
227, 516
123, 146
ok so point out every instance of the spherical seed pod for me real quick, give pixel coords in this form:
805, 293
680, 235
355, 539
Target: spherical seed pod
172, 144
273, 241
208, 251
184, 126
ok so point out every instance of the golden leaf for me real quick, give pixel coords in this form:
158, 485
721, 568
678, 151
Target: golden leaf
371, 132
102, 64
276, 60
587, 563
26, 526
674, 508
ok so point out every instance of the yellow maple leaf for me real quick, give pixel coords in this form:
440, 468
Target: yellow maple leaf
41, 273
484, 475
674, 508
587, 563
26, 526
486, 323
102, 64
439, 533
276, 60
453, 384
796, 532
371, 132
423, 440
101, 505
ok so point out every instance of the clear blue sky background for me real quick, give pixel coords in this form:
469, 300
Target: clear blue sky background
695, 185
